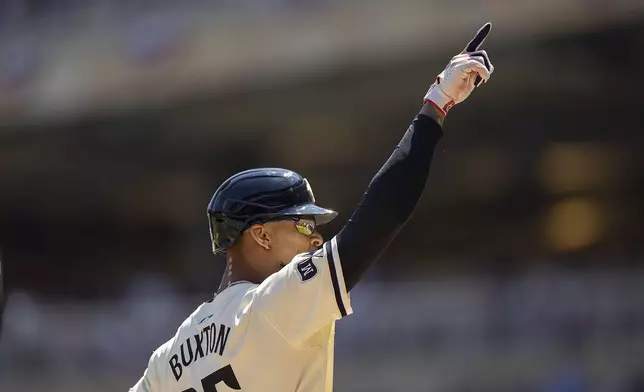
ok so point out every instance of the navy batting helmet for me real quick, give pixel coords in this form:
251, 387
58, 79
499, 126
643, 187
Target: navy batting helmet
257, 196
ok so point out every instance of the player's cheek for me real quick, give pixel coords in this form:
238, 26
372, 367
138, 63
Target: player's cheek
301, 243
291, 244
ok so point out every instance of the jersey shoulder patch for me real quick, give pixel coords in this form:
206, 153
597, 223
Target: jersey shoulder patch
307, 269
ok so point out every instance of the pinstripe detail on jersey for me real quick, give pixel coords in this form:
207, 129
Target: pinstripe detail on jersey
334, 279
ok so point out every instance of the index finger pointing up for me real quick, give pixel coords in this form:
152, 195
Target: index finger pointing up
479, 38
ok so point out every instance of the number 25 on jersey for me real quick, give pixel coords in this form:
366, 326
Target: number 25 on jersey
225, 375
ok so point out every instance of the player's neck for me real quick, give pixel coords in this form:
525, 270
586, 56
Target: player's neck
236, 271
227, 281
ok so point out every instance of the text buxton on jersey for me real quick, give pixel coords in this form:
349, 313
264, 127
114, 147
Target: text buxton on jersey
210, 340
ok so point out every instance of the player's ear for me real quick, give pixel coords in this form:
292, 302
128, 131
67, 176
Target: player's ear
260, 235
316, 239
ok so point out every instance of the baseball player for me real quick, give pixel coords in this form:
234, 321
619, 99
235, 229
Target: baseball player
270, 327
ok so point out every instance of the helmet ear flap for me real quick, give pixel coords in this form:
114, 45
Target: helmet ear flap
224, 231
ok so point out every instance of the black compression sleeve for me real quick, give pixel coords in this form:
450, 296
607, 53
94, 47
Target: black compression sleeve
389, 200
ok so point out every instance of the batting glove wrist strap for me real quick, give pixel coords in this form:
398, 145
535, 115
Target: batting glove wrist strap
437, 97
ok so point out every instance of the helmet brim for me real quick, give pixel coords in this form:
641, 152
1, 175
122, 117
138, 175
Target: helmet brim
322, 215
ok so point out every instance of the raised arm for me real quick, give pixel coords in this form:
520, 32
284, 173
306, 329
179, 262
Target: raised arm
393, 193
313, 289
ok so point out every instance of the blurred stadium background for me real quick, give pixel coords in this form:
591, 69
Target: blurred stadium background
522, 269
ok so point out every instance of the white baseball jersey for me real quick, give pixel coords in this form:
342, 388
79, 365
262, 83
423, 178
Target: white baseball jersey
273, 337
